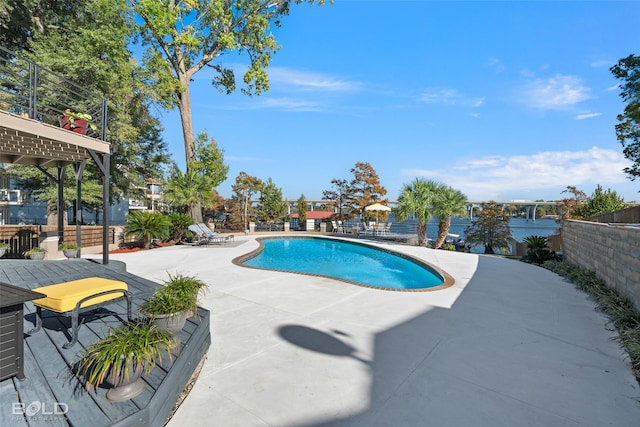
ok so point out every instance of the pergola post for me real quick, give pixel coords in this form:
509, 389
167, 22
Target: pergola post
78, 169
60, 207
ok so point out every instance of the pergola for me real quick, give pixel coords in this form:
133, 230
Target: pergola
30, 132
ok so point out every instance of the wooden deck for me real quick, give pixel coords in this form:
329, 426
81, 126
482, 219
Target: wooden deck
51, 395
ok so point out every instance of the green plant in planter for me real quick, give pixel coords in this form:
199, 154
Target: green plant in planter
70, 249
72, 116
179, 294
131, 349
67, 246
35, 252
4, 247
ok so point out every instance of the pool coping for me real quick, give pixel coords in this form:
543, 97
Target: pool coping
448, 280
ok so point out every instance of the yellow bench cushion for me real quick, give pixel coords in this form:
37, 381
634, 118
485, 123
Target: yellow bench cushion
63, 297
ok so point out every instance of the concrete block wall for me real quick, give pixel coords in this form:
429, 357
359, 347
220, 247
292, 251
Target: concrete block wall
612, 251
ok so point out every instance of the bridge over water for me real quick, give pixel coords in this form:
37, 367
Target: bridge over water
472, 206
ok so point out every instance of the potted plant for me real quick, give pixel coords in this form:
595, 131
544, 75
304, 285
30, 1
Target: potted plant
4, 247
77, 122
172, 304
122, 357
36, 253
70, 250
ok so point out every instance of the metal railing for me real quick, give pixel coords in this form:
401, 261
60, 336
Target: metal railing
29, 90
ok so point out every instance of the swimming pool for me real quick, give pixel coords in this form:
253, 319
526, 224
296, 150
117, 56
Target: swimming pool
351, 262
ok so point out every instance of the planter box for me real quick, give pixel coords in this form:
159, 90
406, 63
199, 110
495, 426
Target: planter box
77, 126
37, 255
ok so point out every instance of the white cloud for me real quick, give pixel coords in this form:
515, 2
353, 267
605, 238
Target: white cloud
544, 174
587, 116
449, 97
289, 104
312, 81
495, 64
555, 93
282, 104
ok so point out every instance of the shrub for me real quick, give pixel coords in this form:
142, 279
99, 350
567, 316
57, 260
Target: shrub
179, 226
147, 226
538, 252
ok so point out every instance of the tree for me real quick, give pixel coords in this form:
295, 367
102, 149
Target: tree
570, 207
272, 207
628, 127
234, 213
340, 199
447, 202
365, 187
417, 199
209, 159
188, 189
21, 20
183, 37
491, 229
101, 63
246, 186
301, 207
602, 202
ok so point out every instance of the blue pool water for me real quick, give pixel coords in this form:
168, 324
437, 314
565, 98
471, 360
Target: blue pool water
346, 261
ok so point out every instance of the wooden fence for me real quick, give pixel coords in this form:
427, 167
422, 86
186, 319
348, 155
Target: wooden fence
21, 238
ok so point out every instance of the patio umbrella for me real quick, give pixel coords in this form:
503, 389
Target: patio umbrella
378, 207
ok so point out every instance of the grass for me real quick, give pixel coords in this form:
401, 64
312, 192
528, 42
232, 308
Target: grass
620, 310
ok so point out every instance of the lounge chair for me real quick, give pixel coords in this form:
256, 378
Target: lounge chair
213, 236
206, 230
366, 228
202, 237
387, 228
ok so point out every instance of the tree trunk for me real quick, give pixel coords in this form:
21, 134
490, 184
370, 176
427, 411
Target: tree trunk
422, 233
52, 214
195, 212
184, 106
444, 225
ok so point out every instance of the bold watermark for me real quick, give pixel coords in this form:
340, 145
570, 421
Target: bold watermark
40, 410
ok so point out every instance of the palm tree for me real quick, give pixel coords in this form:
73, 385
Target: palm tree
189, 189
147, 226
416, 199
447, 202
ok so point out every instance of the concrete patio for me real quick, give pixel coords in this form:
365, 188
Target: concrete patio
509, 344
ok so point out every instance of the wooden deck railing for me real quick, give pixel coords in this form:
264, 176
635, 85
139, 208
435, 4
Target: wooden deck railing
21, 238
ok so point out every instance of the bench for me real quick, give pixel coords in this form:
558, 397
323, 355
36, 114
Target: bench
87, 294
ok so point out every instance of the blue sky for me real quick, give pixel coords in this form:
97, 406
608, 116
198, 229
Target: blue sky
503, 100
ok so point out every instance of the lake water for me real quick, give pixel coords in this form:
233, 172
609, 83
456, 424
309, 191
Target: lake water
520, 228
